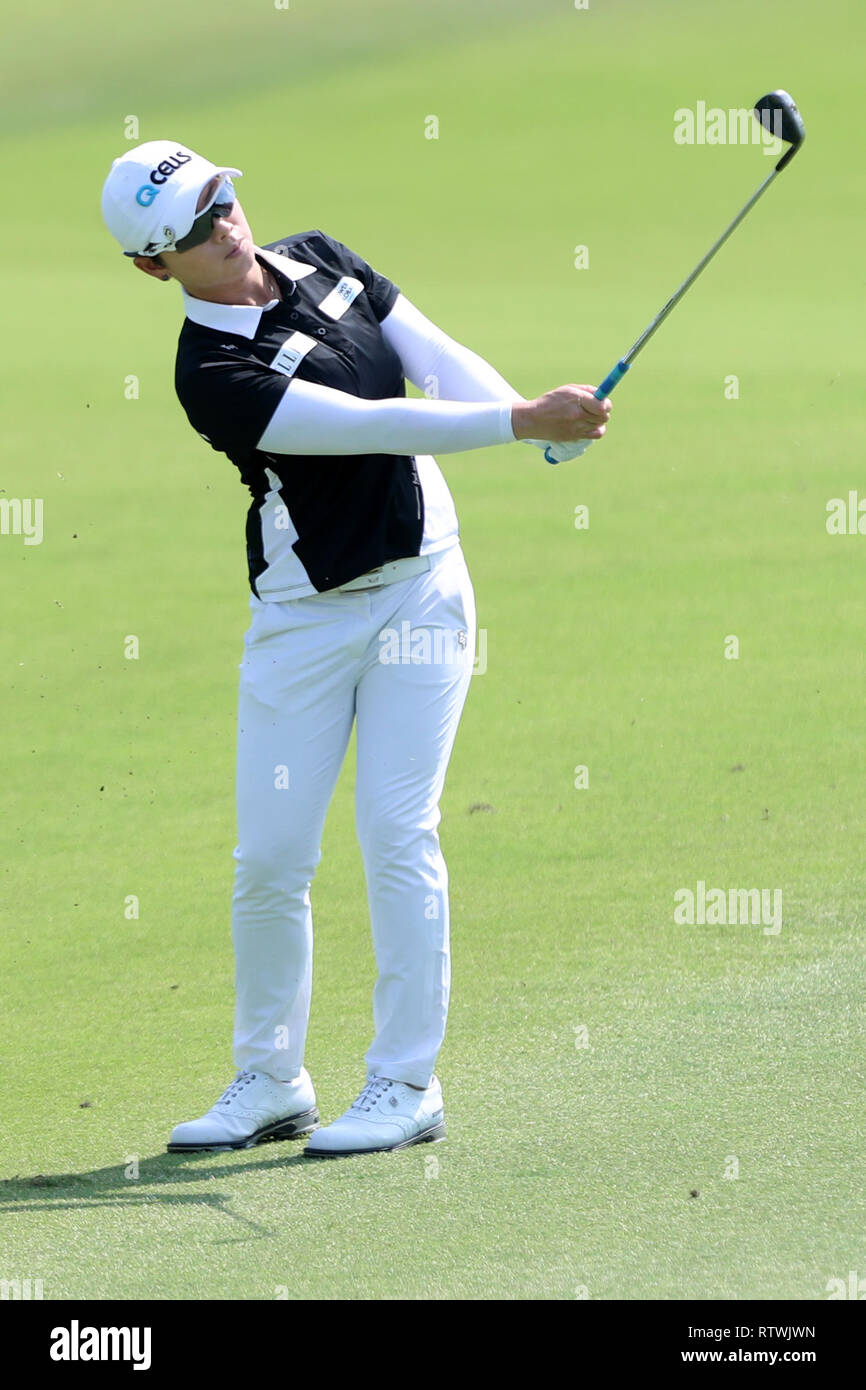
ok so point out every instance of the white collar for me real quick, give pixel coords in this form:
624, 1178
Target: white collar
242, 319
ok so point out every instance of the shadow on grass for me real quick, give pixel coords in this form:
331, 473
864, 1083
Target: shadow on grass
115, 1187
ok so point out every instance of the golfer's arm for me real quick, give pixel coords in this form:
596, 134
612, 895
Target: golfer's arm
313, 419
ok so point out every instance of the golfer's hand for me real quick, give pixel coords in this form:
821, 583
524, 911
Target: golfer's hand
561, 416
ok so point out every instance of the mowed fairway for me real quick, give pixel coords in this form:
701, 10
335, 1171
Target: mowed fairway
604, 1062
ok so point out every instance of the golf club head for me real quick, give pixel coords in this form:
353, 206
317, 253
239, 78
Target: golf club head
792, 131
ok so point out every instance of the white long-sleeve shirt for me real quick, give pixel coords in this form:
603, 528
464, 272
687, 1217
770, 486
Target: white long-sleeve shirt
305, 395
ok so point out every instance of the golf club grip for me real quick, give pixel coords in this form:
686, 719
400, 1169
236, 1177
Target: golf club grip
561, 453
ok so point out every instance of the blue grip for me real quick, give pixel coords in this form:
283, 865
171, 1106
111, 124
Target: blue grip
611, 379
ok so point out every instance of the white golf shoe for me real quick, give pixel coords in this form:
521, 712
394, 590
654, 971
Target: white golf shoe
387, 1115
253, 1108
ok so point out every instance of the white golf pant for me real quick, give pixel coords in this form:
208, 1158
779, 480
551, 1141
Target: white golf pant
398, 659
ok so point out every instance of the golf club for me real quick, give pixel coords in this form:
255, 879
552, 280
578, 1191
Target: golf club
778, 113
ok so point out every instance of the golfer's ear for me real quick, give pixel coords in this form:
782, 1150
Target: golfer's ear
150, 267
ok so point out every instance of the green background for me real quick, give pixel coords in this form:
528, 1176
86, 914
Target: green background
568, 1168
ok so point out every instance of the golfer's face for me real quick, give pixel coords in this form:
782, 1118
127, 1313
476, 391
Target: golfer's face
227, 253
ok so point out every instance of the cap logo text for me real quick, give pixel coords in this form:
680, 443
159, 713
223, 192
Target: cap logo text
166, 167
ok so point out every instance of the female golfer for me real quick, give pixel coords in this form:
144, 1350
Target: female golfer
292, 361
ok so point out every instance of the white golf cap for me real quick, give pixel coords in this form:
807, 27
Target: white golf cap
149, 198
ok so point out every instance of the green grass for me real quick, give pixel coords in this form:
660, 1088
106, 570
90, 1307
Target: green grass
566, 1165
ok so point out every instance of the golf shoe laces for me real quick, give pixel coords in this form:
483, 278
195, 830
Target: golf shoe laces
375, 1087
242, 1079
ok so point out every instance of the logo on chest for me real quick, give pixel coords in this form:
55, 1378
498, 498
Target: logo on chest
342, 295
297, 345
292, 353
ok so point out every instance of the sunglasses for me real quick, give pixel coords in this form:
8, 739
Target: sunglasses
220, 205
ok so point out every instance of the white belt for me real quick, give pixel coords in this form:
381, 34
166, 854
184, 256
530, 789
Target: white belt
388, 574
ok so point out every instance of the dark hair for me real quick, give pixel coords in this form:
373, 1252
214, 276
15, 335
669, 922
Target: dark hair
158, 260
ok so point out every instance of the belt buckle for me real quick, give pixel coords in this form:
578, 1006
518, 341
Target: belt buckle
372, 579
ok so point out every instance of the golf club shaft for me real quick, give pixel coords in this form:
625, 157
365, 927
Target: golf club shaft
559, 453
690, 280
